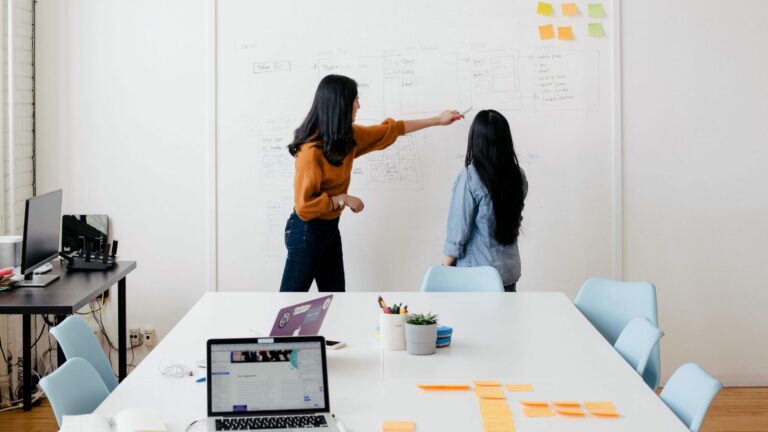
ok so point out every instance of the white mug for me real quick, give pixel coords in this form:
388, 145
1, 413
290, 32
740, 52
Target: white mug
392, 331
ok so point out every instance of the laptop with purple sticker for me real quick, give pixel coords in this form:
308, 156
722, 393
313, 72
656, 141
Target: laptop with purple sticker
303, 319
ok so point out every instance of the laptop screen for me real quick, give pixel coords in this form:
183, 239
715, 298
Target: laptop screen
267, 376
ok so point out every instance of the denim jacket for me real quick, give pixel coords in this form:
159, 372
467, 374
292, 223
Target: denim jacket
471, 225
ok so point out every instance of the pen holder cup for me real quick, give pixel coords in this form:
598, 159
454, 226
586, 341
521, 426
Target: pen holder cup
392, 332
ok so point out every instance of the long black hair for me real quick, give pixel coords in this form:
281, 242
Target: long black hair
329, 120
492, 153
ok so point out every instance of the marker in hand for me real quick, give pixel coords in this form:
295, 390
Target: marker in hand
462, 114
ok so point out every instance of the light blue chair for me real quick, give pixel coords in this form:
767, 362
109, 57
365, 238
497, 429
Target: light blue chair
688, 394
76, 339
440, 278
610, 305
74, 388
636, 342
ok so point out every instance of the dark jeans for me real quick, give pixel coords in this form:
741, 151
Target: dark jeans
510, 288
314, 253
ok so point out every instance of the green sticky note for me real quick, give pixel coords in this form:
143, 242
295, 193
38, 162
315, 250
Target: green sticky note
596, 10
545, 9
596, 30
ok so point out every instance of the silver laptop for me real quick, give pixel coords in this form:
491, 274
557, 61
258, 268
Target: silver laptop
268, 384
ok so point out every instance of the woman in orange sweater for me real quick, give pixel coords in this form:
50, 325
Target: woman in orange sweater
324, 147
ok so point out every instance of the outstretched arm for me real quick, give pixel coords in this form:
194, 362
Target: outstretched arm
443, 119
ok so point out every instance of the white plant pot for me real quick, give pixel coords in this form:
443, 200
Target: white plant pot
420, 339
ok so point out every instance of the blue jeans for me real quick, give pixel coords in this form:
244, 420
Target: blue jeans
314, 253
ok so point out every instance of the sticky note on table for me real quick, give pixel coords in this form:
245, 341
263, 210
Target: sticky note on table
544, 9
595, 10
486, 383
398, 426
546, 32
599, 405
577, 412
566, 404
489, 393
443, 387
533, 403
570, 9
520, 387
595, 30
538, 412
604, 412
565, 33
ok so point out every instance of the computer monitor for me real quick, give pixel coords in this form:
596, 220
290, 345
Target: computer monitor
42, 226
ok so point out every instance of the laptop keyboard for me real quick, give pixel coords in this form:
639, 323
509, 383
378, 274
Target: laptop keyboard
282, 422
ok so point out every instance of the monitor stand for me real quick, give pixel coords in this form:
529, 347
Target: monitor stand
37, 280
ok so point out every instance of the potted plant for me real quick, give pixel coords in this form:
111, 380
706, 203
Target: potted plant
421, 334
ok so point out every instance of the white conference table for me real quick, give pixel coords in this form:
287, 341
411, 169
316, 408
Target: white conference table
523, 338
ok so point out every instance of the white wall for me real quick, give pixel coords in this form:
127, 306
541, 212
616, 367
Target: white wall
696, 209
123, 128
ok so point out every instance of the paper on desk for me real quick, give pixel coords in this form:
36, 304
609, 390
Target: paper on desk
486, 383
599, 405
398, 426
565, 33
546, 32
570, 9
520, 387
489, 393
85, 423
538, 412
570, 411
443, 386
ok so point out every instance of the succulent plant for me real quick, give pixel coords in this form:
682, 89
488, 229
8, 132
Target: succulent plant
422, 319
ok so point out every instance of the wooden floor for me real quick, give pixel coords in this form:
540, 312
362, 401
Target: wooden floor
734, 410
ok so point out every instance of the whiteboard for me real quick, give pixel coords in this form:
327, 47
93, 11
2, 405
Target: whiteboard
414, 59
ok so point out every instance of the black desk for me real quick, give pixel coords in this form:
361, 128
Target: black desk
65, 296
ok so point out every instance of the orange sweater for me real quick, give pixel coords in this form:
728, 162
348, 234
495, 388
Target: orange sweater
316, 180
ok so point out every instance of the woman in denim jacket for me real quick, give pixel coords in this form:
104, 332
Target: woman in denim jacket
487, 203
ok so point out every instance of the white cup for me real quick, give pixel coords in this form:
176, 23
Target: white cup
392, 331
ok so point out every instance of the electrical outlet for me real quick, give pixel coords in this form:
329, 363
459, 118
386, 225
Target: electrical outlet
135, 336
149, 337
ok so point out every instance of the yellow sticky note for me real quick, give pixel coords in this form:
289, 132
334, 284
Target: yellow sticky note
570, 411
520, 387
445, 387
565, 33
538, 412
486, 383
604, 412
570, 9
544, 9
595, 30
398, 426
599, 405
546, 32
595, 10
534, 403
489, 393
567, 404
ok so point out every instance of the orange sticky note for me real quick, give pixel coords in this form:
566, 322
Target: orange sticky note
520, 387
544, 8
567, 404
538, 412
570, 9
565, 33
570, 411
398, 426
546, 32
489, 393
604, 412
486, 383
535, 403
599, 405
443, 386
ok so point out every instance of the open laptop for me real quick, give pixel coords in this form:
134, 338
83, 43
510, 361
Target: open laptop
303, 319
268, 384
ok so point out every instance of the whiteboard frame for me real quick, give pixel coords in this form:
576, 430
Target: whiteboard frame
617, 265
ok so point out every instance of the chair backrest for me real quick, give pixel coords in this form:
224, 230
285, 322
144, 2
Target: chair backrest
440, 278
74, 388
689, 392
636, 342
610, 305
77, 340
